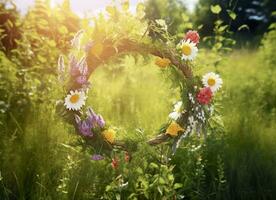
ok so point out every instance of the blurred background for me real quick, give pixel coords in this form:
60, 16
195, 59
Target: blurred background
39, 157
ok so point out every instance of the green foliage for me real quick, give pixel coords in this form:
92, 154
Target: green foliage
148, 181
173, 12
10, 29
216, 9
256, 15
32, 71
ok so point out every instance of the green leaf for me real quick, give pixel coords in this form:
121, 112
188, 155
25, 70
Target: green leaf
63, 30
218, 22
43, 22
125, 5
52, 43
223, 28
118, 196
153, 165
244, 26
159, 190
232, 15
162, 181
9, 24
200, 27
272, 26
108, 188
41, 59
216, 9
185, 17
218, 45
170, 177
177, 186
139, 170
140, 10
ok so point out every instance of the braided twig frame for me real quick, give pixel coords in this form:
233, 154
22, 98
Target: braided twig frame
131, 46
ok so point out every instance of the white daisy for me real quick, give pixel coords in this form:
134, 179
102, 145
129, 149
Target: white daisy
75, 100
188, 50
212, 80
176, 111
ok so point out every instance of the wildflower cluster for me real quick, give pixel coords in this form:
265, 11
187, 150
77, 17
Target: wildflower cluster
199, 99
184, 119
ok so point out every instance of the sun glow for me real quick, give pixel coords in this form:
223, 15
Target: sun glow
54, 3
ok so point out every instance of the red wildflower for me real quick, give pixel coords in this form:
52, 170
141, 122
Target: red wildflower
115, 163
193, 36
205, 95
127, 157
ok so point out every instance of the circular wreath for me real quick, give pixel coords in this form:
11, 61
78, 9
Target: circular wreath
190, 114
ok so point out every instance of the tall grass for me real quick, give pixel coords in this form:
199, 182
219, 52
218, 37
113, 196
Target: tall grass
42, 162
133, 94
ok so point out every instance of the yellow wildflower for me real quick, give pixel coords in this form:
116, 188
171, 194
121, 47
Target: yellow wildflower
109, 135
173, 129
162, 62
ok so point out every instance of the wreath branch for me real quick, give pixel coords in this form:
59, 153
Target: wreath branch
124, 46
100, 52
161, 138
127, 45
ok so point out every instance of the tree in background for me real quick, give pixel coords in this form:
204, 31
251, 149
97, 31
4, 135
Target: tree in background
45, 33
173, 12
9, 26
255, 14
58, 24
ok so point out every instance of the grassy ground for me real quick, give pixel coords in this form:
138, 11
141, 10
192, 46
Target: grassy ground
38, 163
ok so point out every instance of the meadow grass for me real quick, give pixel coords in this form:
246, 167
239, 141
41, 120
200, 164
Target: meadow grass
41, 161
134, 94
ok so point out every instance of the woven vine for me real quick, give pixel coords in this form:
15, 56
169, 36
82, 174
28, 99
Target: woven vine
92, 52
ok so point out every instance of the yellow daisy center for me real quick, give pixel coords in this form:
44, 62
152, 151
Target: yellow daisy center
211, 81
186, 49
74, 98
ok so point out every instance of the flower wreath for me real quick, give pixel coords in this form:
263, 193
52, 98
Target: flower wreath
197, 97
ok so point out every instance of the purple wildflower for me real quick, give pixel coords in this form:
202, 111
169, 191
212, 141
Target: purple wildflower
73, 63
88, 46
97, 157
78, 67
91, 115
77, 119
82, 66
100, 121
84, 126
95, 120
81, 80
75, 42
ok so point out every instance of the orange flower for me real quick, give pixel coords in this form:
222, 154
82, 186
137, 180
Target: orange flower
173, 129
162, 62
